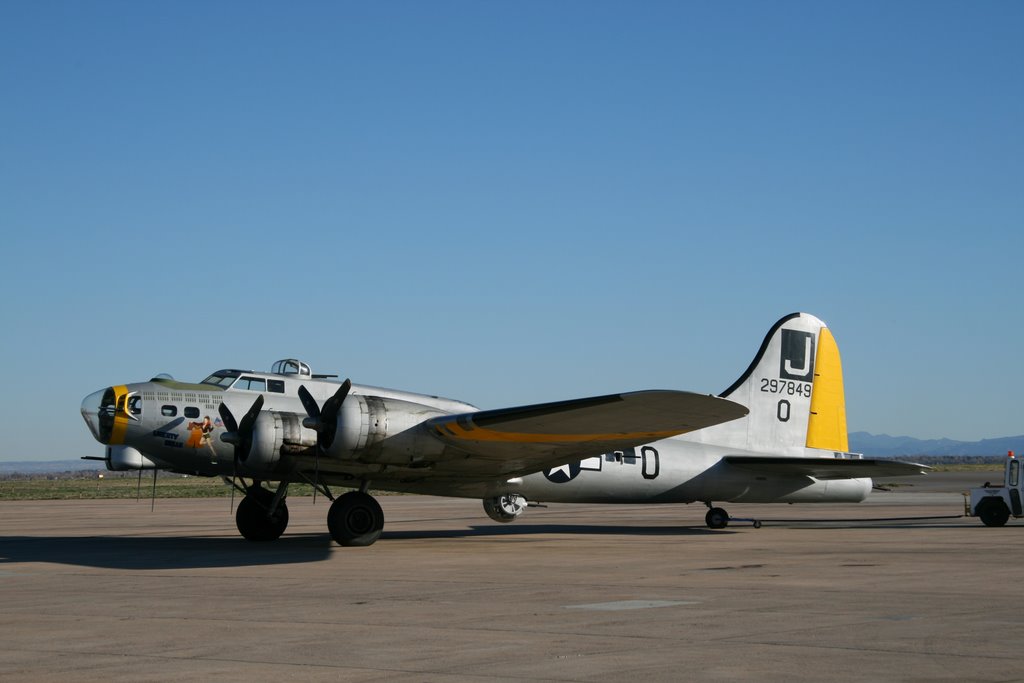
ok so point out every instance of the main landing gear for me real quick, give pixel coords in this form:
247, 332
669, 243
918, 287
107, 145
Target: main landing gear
355, 519
262, 515
718, 518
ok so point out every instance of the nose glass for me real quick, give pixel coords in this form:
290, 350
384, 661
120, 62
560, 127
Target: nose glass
92, 408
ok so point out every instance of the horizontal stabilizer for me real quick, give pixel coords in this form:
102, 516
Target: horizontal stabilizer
827, 468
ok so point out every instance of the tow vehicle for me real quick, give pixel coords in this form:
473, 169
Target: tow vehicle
993, 505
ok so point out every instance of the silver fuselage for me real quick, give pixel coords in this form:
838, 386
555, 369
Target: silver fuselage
176, 426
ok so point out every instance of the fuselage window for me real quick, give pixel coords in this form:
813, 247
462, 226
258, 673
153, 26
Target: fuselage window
251, 383
168, 411
135, 405
191, 413
275, 386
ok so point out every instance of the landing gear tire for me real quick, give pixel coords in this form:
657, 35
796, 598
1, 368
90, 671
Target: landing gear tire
252, 519
717, 518
993, 513
355, 519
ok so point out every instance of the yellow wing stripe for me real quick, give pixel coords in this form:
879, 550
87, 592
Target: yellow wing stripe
481, 434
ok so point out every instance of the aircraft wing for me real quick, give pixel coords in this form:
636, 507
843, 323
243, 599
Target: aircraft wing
827, 468
511, 442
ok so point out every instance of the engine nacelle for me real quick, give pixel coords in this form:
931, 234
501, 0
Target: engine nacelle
124, 458
267, 438
365, 422
504, 508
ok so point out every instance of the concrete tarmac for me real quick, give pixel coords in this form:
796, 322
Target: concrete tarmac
899, 588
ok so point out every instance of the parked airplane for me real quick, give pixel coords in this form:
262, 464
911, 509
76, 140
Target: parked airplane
777, 435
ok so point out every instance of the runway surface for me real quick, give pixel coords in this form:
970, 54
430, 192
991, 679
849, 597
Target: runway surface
898, 588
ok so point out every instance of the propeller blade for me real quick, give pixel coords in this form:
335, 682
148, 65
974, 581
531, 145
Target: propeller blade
240, 434
228, 418
329, 415
309, 403
245, 427
332, 404
324, 421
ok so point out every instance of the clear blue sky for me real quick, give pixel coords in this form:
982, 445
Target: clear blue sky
512, 202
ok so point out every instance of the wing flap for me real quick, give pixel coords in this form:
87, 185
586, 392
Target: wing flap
827, 468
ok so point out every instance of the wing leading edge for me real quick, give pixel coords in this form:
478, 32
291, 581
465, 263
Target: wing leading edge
516, 441
827, 468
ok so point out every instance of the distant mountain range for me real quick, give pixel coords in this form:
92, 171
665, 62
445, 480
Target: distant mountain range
885, 446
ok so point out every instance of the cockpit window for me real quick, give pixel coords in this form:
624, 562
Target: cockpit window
222, 378
251, 383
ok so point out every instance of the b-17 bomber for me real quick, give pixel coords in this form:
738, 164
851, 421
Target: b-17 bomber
776, 435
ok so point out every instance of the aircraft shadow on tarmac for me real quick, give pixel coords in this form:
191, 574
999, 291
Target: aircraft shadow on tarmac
112, 552
115, 552
127, 552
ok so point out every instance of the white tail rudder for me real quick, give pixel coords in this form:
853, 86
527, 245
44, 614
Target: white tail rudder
794, 391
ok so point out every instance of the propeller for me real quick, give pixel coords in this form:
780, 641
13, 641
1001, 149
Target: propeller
324, 421
239, 434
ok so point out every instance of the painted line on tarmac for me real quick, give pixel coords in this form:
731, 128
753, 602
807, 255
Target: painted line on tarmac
619, 605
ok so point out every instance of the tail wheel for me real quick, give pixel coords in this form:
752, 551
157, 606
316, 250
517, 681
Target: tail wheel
717, 518
993, 513
355, 519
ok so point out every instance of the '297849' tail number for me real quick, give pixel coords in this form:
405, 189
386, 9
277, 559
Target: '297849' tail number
785, 386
